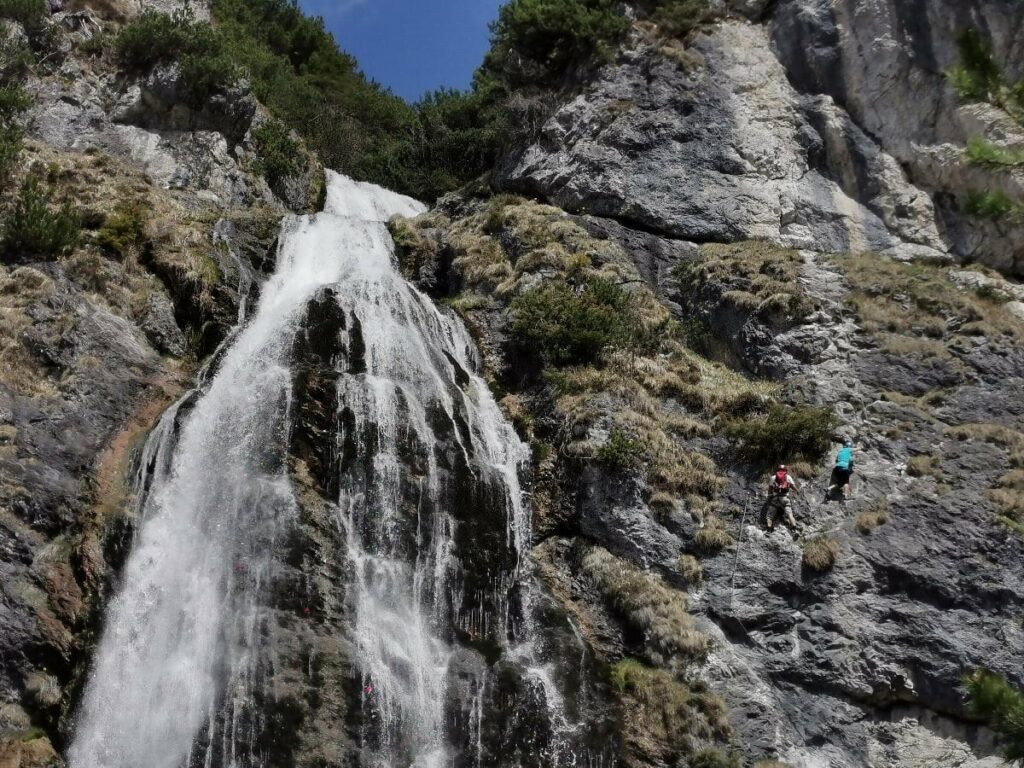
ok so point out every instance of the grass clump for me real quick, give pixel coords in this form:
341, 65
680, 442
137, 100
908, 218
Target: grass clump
922, 466
713, 536
820, 554
714, 758
34, 227
754, 277
664, 713
1001, 705
905, 304
649, 606
561, 326
690, 569
783, 434
871, 518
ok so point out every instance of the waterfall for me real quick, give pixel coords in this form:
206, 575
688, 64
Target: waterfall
428, 505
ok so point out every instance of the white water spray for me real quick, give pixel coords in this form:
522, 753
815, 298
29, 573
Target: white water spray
422, 444
179, 625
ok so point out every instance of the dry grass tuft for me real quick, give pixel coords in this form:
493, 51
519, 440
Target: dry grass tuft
820, 554
874, 516
917, 309
713, 537
921, 466
660, 708
649, 606
690, 569
760, 279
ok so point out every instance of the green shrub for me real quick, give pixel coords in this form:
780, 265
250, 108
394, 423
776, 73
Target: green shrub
280, 155
15, 59
31, 14
620, 450
820, 554
13, 101
560, 326
123, 229
784, 433
556, 33
979, 77
34, 228
158, 38
987, 155
1001, 705
993, 205
297, 71
679, 18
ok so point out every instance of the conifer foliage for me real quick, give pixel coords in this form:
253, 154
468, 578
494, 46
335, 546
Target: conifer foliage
1002, 707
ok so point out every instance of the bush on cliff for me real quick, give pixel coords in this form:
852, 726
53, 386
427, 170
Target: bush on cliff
207, 67
678, 18
557, 325
35, 227
30, 14
783, 433
1001, 705
555, 33
13, 102
279, 155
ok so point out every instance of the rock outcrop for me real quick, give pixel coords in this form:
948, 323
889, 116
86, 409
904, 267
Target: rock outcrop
824, 126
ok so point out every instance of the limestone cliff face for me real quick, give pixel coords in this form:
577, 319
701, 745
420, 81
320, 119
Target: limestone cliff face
819, 124
828, 128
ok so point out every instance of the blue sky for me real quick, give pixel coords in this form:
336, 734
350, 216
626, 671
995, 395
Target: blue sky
411, 46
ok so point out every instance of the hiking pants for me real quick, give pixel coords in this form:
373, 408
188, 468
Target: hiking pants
780, 503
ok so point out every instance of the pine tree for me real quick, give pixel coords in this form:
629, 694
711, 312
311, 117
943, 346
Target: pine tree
1001, 705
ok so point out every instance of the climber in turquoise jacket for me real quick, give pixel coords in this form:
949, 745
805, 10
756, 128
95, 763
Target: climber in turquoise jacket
842, 471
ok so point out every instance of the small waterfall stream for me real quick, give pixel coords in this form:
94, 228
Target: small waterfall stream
429, 506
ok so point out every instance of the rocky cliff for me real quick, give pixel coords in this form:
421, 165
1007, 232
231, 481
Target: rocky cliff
790, 186
777, 208
97, 342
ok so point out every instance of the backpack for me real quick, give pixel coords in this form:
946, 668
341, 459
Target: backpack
782, 480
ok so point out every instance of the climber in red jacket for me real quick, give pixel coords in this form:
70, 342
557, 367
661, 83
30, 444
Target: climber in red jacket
779, 488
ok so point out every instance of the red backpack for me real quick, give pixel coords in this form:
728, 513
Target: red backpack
782, 480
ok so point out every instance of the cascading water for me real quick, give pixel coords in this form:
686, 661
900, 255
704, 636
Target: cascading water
429, 507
